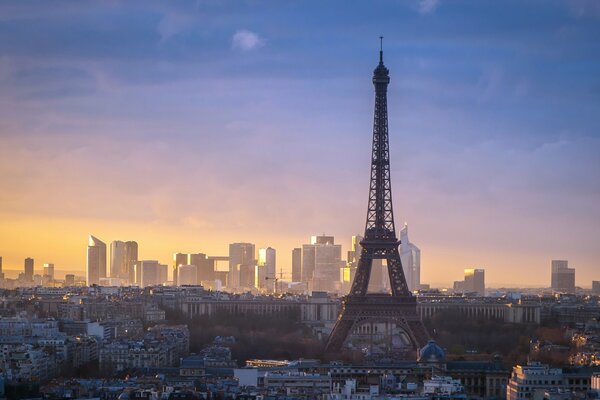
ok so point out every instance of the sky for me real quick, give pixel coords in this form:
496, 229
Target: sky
189, 125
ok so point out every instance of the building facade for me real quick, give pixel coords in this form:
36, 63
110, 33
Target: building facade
96, 261
563, 277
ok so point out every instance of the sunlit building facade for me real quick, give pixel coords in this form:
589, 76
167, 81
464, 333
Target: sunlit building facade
321, 264
266, 269
123, 256
242, 264
152, 273
474, 281
96, 261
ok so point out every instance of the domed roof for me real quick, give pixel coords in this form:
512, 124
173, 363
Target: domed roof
432, 352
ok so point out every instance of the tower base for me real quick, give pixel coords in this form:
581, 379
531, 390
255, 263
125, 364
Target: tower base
372, 309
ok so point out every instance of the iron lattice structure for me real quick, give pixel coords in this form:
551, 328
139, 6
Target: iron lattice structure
380, 242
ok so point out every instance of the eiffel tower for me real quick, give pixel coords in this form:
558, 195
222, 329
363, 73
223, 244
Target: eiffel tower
380, 242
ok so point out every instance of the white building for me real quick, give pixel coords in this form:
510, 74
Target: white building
410, 255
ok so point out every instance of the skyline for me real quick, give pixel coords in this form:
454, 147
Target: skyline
266, 138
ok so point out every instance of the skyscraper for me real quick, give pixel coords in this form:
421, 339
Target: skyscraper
187, 275
241, 265
321, 263
131, 257
123, 256
178, 259
96, 261
475, 281
410, 255
563, 277
152, 273
267, 260
48, 272
118, 262
28, 272
205, 267
1, 272
296, 265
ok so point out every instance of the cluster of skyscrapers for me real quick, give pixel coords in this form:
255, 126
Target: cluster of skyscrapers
316, 266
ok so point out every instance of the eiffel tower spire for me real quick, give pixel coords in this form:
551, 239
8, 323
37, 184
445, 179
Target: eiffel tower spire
380, 242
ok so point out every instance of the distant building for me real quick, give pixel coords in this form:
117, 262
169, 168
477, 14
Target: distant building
241, 265
458, 286
378, 281
69, 280
28, 273
410, 255
178, 259
321, 264
1, 272
595, 287
123, 256
187, 275
152, 273
48, 272
475, 281
296, 264
563, 277
96, 261
205, 267
267, 262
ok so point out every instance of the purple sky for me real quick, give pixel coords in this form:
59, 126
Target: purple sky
190, 125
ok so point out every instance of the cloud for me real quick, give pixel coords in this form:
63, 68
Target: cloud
428, 6
246, 40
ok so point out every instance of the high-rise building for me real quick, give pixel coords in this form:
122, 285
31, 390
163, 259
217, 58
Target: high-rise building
187, 275
410, 255
296, 265
563, 277
48, 272
205, 266
321, 264
378, 281
178, 259
1, 272
596, 287
131, 257
241, 265
28, 273
152, 273
96, 261
267, 261
475, 281
123, 256
118, 263
308, 262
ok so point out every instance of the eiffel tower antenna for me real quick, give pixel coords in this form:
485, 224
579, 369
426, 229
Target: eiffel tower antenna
380, 242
